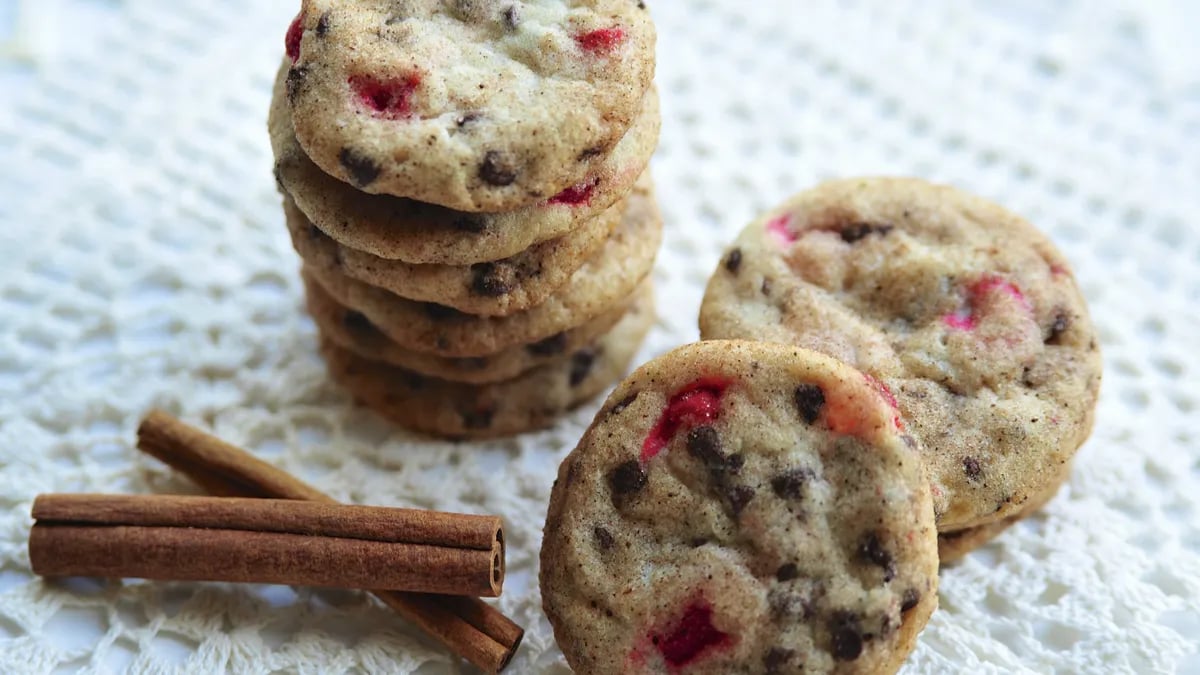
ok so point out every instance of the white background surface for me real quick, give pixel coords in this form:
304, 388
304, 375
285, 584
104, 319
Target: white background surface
144, 261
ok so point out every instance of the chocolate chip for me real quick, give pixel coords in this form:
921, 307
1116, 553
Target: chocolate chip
733, 261
809, 398
790, 485
362, 169
555, 344
766, 286
627, 478
871, 550
356, 322
739, 497
323, 25
466, 119
479, 418
295, 79
436, 311
623, 404
971, 468
787, 572
1061, 322
604, 538
492, 279
855, 231
511, 18
581, 365
495, 171
845, 632
734, 463
910, 600
704, 443
776, 659
470, 224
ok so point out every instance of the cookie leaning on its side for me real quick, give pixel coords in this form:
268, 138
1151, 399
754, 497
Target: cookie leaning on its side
963, 311
740, 507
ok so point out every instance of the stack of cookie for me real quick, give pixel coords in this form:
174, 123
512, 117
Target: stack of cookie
466, 184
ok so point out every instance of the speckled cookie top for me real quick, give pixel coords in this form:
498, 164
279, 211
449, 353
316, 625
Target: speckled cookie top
421, 233
964, 312
740, 507
477, 106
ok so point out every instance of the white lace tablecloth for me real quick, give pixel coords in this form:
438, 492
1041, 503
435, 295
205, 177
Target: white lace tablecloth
144, 262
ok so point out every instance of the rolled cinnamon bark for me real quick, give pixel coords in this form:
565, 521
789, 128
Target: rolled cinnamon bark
266, 541
469, 627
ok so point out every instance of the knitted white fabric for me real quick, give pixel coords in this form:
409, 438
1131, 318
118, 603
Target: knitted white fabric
144, 262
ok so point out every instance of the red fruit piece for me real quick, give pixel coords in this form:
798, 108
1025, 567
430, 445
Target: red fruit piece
600, 40
291, 41
576, 195
387, 98
777, 227
843, 419
697, 403
979, 294
689, 639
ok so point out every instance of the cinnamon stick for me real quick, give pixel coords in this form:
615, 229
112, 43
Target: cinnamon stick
469, 627
266, 541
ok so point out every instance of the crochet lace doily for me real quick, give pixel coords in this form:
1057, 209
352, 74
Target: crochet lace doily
144, 262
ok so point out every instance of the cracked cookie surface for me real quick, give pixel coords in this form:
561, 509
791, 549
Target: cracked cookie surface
965, 312
740, 507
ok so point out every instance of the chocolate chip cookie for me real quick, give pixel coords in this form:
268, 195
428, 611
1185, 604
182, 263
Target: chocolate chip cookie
963, 311
532, 400
603, 282
416, 232
476, 106
354, 332
741, 507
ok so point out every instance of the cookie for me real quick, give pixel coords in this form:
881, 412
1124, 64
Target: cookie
476, 106
964, 312
954, 546
532, 400
744, 507
497, 288
602, 283
354, 332
416, 232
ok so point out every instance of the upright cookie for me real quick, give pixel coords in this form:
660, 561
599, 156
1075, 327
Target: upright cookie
354, 332
740, 507
602, 283
477, 106
532, 400
968, 315
496, 288
416, 232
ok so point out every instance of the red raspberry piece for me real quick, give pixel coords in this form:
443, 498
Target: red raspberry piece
291, 41
979, 294
576, 195
777, 227
388, 98
842, 420
697, 403
691, 637
601, 39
